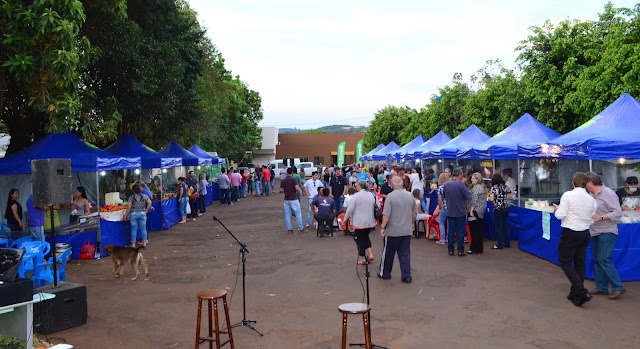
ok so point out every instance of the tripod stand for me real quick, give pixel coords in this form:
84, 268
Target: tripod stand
243, 252
366, 277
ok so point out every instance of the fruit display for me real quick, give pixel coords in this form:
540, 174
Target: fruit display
112, 208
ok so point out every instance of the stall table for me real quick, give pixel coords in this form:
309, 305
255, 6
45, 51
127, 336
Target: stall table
164, 216
626, 253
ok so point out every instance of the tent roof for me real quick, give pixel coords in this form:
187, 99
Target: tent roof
174, 149
85, 157
610, 135
467, 139
382, 153
127, 145
504, 145
434, 142
367, 156
199, 152
407, 148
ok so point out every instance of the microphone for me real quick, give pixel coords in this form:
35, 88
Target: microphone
215, 218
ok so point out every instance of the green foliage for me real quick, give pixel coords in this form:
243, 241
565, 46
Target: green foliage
316, 131
386, 126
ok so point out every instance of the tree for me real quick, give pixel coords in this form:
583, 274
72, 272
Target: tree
386, 126
42, 61
314, 131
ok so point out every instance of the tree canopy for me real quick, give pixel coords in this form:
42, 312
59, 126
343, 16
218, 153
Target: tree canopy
107, 67
565, 74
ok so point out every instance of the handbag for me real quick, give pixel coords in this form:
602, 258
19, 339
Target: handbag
194, 196
377, 214
88, 250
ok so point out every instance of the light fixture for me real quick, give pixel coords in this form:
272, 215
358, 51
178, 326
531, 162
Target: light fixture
137, 171
103, 173
621, 161
198, 167
164, 170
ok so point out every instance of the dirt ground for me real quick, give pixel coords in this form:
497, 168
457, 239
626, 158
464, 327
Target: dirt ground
501, 299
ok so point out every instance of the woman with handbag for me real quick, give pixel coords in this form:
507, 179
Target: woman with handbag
137, 208
478, 205
361, 214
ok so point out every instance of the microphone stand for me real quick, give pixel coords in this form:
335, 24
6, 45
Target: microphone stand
366, 276
243, 251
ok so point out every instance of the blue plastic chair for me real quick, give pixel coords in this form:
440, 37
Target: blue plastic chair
43, 273
32, 248
17, 243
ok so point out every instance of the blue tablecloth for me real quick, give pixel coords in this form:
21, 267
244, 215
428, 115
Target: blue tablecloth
626, 253
213, 193
75, 240
513, 221
155, 217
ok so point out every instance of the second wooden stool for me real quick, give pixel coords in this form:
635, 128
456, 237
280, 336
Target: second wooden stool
355, 308
212, 296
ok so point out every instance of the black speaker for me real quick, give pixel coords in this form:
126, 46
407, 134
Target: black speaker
18, 291
51, 182
67, 310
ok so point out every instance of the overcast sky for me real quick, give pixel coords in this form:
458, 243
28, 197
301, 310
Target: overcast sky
323, 62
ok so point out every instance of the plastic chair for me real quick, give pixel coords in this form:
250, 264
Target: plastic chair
43, 273
434, 226
417, 231
18, 242
32, 248
4, 243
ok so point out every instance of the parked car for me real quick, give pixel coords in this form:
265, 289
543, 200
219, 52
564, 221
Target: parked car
307, 167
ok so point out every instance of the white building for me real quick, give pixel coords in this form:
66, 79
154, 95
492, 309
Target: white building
267, 151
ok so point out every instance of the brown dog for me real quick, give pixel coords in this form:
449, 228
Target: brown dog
122, 255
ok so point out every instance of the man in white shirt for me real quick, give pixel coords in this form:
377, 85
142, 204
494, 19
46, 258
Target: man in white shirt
311, 188
575, 213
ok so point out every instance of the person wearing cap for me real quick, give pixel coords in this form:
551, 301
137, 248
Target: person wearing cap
629, 196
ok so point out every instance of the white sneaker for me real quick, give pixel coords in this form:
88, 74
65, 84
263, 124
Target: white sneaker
307, 225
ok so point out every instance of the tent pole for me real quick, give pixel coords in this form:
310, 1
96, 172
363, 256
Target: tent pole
519, 185
590, 165
162, 198
98, 236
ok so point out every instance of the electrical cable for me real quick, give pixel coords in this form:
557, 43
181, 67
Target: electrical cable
364, 292
233, 290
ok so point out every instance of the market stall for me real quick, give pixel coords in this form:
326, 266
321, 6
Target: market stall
381, 155
367, 156
605, 144
401, 153
127, 145
85, 159
447, 152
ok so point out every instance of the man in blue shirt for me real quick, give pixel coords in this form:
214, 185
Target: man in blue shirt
338, 189
457, 196
36, 220
323, 208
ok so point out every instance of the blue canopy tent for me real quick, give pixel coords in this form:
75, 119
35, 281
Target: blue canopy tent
504, 145
610, 135
176, 150
408, 148
434, 142
127, 145
200, 153
367, 156
85, 157
467, 139
381, 154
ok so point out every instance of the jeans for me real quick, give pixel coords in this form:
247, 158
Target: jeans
258, 188
201, 205
292, 206
37, 233
338, 202
443, 227
235, 190
138, 221
250, 187
326, 184
502, 230
266, 187
272, 183
606, 273
225, 197
309, 213
423, 203
182, 204
573, 249
242, 189
457, 226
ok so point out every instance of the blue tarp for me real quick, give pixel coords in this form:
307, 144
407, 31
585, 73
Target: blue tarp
382, 153
131, 147
610, 135
188, 158
434, 142
408, 148
84, 156
200, 153
504, 145
367, 156
472, 136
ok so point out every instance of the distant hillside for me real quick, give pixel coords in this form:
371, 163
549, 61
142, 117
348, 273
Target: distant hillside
326, 129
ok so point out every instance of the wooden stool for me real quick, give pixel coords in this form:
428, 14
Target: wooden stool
355, 308
212, 296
